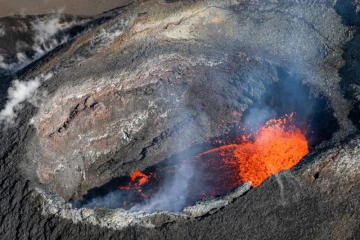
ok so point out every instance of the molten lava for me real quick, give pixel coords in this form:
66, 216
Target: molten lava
137, 178
278, 145
139, 175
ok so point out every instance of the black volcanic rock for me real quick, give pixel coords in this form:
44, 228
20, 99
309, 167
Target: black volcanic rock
163, 77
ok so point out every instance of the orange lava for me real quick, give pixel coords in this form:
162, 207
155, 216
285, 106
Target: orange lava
139, 175
137, 178
277, 146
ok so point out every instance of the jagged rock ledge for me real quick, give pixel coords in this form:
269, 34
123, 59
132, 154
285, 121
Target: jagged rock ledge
329, 170
118, 219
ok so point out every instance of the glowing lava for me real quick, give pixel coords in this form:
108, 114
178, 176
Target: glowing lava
141, 176
276, 146
137, 178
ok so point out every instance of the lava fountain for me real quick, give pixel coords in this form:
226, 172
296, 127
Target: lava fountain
276, 146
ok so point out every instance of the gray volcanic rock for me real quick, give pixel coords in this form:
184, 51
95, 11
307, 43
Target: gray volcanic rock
162, 77
150, 87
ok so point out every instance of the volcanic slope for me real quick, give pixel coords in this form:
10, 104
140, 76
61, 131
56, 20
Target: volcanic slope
164, 76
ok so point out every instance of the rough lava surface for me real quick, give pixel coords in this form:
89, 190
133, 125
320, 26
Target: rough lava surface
163, 76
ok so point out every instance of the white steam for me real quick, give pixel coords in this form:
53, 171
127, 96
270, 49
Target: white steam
2, 31
176, 191
44, 37
172, 194
19, 93
257, 117
44, 32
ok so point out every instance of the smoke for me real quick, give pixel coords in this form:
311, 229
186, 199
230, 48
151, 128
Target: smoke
171, 196
2, 31
44, 29
46, 35
50, 32
293, 185
19, 93
257, 117
4, 65
281, 186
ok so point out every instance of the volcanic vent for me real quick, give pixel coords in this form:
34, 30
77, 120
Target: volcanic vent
273, 135
164, 121
173, 185
167, 106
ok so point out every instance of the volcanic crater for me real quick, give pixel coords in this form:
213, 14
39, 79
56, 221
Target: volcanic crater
174, 114
137, 138
106, 120
294, 120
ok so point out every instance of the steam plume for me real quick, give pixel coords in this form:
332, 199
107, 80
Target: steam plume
45, 38
176, 192
2, 31
18, 93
